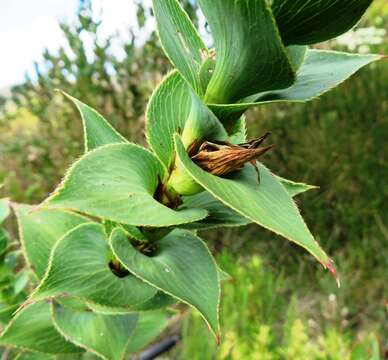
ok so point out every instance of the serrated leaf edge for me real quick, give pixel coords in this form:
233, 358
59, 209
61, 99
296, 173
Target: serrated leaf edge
35, 292
195, 31
258, 103
21, 232
147, 112
75, 342
77, 103
324, 264
17, 315
216, 334
45, 205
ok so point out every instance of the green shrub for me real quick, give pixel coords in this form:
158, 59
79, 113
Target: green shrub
115, 244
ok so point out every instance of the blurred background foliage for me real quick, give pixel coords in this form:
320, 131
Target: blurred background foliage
280, 305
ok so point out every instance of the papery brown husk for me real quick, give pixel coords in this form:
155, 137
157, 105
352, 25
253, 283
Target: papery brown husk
223, 158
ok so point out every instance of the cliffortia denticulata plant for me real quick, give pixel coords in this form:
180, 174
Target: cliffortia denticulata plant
115, 245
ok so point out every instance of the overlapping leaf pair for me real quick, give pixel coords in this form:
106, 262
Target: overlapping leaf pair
260, 56
115, 238
70, 323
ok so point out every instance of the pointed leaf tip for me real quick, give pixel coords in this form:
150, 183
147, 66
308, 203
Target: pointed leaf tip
330, 266
126, 176
218, 339
266, 203
97, 130
79, 266
196, 285
180, 40
39, 230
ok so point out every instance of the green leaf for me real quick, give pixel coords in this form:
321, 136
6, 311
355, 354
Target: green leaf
250, 56
134, 232
166, 114
201, 124
207, 69
321, 71
117, 182
32, 329
174, 107
221, 215
224, 276
28, 355
238, 134
297, 54
74, 303
4, 241
267, 203
168, 270
308, 22
39, 231
97, 130
21, 280
4, 209
159, 301
79, 266
149, 326
104, 335
295, 188
7, 311
180, 40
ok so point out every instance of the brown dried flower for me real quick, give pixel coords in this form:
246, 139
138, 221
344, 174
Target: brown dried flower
222, 158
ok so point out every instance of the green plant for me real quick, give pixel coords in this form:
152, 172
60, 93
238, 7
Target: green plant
38, 135
262, 320
116, 241
13, 277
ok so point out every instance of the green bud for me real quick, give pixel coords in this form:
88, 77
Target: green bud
181, 182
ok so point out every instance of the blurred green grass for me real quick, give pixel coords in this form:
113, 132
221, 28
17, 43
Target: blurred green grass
263, 320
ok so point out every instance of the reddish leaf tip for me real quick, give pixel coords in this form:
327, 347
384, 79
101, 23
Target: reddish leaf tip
218, 339
334, 272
